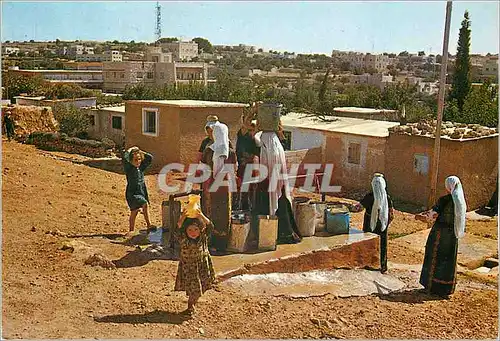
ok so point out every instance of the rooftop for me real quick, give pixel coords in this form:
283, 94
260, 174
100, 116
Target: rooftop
346, 125
190, 103
58, 71
118, 109
362, 110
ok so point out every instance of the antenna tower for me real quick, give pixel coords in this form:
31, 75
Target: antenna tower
158, 23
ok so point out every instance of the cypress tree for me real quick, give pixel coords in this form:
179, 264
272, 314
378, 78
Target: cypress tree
461, 85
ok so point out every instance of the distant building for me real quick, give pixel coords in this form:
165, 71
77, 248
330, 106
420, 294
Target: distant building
378, 62
85, 78
7, 50
118, 75
75, 50
72, 65
108, 56
40, 101
182, 50
378, 80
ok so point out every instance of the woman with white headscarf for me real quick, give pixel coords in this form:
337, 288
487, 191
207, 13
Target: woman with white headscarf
439, 269
217, 204
378, 215
274, 197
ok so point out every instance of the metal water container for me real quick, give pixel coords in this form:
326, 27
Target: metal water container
306, 219
268, 232
239, 238
268, 116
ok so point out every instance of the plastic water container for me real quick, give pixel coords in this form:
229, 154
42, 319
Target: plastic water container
240, 235
337, 220
268, 232
306, 219
268, 116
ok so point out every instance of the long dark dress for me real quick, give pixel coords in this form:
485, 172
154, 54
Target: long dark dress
439, 271
195, 273
246, 151
217, 205
288, 232
367, 203
136, 192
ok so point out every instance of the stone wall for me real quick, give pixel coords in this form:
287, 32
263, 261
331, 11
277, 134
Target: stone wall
29, 119
72, 145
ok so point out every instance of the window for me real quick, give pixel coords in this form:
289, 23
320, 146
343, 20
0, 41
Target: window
92, 120
162, 75
139, 74
114, 74
421, 164
287, 142
354, 153
149, 75
122, 75
150, 121
116, 122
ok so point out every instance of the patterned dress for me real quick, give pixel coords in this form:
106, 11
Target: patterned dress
195, 273
439, 271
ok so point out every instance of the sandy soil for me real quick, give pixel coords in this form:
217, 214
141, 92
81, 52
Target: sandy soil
50, 293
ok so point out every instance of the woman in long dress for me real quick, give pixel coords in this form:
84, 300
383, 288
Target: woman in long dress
379, 213
217, 205
439, 271
277, 199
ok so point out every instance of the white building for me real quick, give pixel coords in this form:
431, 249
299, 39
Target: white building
108, 56
7, 50
182, 50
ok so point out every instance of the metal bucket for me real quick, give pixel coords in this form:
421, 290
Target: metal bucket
306, 219
239, 237
268, 232
268, 116
295, 202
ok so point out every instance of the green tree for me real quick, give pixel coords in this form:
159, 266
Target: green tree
204, 45
168, 40
421, 53
72, 121
481, 106
16, 85
461, 83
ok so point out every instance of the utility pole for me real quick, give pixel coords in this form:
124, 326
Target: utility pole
442, 89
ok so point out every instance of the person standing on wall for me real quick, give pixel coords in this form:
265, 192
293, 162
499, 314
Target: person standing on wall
379, 213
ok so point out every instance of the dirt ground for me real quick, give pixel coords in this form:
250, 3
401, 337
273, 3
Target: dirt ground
50, 293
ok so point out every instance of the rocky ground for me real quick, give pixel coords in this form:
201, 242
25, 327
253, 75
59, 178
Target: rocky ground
48, 291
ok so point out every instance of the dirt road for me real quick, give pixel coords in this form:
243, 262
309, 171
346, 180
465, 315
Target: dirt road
50, 293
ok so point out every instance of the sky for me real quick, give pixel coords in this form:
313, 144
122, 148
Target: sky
301, 27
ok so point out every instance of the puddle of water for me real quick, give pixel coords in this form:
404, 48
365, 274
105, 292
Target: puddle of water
155, 237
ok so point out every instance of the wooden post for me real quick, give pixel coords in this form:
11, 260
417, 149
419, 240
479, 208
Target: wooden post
442, 89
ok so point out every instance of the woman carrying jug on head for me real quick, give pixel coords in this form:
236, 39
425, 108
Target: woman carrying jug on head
439, 271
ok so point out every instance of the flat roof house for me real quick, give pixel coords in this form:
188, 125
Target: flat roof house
172, 130
355, 147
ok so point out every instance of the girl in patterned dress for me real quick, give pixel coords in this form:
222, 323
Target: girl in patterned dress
195, 273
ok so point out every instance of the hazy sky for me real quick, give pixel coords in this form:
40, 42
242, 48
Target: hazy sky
303, 27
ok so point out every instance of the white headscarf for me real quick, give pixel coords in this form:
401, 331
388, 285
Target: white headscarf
454, 186
380, 209
220, 145
272, 155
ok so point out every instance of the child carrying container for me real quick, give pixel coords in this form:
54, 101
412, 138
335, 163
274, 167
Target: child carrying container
195, 273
